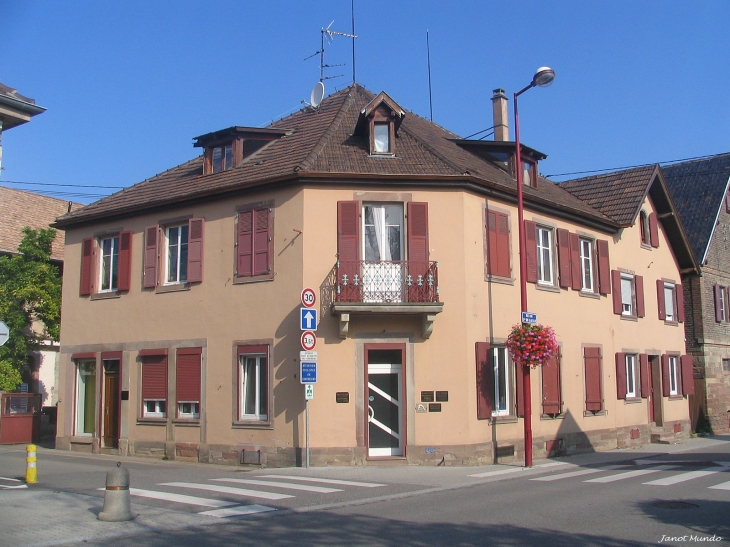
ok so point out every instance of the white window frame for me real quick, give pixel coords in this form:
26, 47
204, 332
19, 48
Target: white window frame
160, 410
188, 409
628, 309
111, 280
631, 376
501, 370
587, 279
670, 299
91, 363
545, 256
262, 371
177, 278
673, 375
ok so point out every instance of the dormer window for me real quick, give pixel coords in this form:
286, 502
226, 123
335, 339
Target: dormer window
381, 138
378, 123
529, 173
222, 158
228, 148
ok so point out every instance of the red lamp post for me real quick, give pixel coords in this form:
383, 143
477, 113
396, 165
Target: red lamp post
543, 78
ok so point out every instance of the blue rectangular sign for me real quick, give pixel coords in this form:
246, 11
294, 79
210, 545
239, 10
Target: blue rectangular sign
308, 372
529, 318
308, 319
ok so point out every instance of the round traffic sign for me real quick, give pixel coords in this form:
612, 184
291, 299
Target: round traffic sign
4, 333
309, 340
309, 297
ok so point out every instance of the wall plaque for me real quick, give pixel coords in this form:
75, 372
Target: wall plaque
342, 397
427, 396
434, 407
442, 396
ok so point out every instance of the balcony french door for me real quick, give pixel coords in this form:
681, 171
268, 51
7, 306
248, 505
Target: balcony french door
382, 275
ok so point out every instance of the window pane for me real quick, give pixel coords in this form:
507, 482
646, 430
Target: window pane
85, 397
228, 156
263, 388
183, 253
630, 379
382, 137
217, 152
372, 249
173, 237
669, 302
627, 295
586, 259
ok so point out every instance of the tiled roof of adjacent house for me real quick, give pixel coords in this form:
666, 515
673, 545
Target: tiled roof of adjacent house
19, 209
698, 188
321, 143
618, 195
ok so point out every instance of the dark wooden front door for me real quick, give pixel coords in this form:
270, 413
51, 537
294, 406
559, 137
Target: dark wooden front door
655, 397
111, 405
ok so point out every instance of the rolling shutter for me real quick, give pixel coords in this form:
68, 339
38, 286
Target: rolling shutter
485, 382
188, 375
87, 266
551, 400
124, 279
348, 250
261, 241
577, 283
621, 376
653, 230
639, 288
604, 267
594, 394
154, 377
564, 263
196, 229
679, 295
644, 375
531, 250
665, 375
660, 299
688, 377
150, 256
616, 283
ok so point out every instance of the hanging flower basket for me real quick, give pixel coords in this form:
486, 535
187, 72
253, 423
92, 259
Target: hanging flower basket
532, 345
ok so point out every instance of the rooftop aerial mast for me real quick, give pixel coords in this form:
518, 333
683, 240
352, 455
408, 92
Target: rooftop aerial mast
330, 35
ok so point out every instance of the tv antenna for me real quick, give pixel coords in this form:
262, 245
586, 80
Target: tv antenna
330, 35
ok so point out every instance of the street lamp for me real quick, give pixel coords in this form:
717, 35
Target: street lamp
542, 78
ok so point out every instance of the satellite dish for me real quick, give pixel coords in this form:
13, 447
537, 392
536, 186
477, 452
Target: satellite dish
317, 94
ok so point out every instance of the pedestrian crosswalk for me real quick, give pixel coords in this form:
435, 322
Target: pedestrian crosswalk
7, 483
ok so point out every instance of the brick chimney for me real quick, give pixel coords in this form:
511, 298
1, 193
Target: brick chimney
499, 112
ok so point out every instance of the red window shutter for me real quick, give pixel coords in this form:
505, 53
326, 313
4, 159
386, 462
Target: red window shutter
498, 244
196, 231
417, 244
150, 256
688, 376
621, 376
154, 377
639, 287
717, 289
660, 299
87, 266
261, 241
520, 389
665, 375
188, 374
594, 394
485, 382
644, 375
604, 267
492, 245
653, 230
551, 400
576, 275
348, 250
616, 282
679, 295
245, 244
124, 280
531, 250
564, 265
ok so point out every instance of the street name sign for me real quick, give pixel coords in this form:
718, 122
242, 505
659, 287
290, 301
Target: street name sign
529, 318
308, 319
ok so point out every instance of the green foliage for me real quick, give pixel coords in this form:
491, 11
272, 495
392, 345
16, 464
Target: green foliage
9, 377
30, 299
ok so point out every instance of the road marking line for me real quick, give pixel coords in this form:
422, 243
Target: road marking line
327, 481
179, 498
9, 479
631, 474
320, 489
578, 473
4, 487
238, 511
229, 490
515, 469
689, 475
721, 486
724, 464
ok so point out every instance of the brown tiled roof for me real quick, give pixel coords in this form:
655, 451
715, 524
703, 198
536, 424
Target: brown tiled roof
19, 209
321, 143
618, 195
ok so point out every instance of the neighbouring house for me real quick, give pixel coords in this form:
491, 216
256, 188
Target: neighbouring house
699, 189
182, 322
15, 110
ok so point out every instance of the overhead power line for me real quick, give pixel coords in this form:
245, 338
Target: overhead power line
64, 185
628, 166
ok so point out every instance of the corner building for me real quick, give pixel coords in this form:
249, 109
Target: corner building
181, 320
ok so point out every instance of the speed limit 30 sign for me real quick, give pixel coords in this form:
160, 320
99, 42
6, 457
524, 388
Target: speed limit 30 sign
309, 340
309, 297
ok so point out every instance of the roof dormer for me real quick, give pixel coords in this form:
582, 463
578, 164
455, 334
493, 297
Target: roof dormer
379, 122
227, 148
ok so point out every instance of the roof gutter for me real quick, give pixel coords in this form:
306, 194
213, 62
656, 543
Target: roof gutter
21, 105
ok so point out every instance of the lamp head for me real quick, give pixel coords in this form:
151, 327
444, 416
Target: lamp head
543, 77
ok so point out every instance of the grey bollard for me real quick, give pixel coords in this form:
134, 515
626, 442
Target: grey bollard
116, 497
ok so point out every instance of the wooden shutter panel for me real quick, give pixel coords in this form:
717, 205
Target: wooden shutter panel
531, 250
644, 374
688, 375
604, 267
616, 282
124, 279
492, 244
87, 266
565, 277
639, 288
244, 238
577, 283
665, 375
196, 229
150, 256
261, 242
498, 258
717, 289
485, 382
348, 249
551, 400
621, 376
679, 295
188, 374
594, 395
661, 308
653, 230
417, 245
520, 389
154, 377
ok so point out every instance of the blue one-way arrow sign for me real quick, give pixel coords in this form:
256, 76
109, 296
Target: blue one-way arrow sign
308, 318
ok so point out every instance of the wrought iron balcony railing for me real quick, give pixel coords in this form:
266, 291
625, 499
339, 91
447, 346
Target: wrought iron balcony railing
386, 281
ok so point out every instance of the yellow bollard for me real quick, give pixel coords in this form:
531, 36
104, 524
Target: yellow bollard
31, 471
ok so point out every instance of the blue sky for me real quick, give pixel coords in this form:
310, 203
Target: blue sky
129, 84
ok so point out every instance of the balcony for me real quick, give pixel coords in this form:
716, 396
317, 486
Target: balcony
366, 287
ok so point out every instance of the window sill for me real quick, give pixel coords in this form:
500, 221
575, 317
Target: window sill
588, 294
552, 416
589, 413
676, 397
632, 400
82, 439
253, 278
548, 288
151, 421
105, 295
671, 323
252, 425
499, 279
504, 420
187, 422
383, 155
176, 287
646, 246
629, 318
